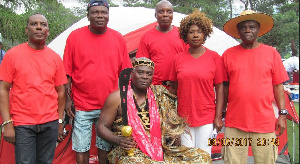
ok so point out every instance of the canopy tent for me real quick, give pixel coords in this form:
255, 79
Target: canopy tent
133, 22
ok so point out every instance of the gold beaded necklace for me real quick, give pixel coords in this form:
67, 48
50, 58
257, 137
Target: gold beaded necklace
143, 112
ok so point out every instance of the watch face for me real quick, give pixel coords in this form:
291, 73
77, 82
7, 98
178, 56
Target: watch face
283, 112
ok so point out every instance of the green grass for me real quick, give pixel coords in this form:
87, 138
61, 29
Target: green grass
290, 137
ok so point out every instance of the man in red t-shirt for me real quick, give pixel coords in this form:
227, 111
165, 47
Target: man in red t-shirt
161, 43
32, 95
94, 56
255, 78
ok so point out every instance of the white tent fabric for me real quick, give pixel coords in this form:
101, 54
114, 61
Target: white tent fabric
128, 19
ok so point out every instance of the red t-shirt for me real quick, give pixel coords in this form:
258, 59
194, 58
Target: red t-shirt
196, 79
251, 75
94, 62
161, 49
34, 75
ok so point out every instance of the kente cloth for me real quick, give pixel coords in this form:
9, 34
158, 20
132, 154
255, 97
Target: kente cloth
149, 145
171, 127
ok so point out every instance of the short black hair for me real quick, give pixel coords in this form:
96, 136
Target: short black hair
33, 15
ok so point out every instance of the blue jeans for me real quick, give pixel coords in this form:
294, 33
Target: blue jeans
82, 131
35, 144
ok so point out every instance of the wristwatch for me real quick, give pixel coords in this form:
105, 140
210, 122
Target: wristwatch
283, 112
60, 121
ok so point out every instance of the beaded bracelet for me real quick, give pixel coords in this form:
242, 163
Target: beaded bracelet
6, 122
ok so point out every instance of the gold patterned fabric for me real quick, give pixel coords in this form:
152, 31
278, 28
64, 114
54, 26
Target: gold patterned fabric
171, 126
144, 117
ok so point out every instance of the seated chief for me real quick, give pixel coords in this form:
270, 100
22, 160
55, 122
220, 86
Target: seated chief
152, 114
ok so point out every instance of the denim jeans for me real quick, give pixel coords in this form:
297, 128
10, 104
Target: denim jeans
82, 131
35, 144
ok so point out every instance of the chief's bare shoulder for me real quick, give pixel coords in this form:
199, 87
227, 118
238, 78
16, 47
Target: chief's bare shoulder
115, 95
113, 100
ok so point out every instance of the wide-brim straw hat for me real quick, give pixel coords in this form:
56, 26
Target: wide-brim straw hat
266, 23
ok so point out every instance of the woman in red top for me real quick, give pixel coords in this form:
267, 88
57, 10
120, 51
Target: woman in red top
197, 75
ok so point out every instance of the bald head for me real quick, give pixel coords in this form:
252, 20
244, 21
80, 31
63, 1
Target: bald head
164, 16
163, 3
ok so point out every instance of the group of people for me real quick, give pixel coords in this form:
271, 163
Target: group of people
177, 92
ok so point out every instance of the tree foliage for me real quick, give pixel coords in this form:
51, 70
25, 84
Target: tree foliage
12, 25
266, 6
284, 12
214, 9
285, 30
